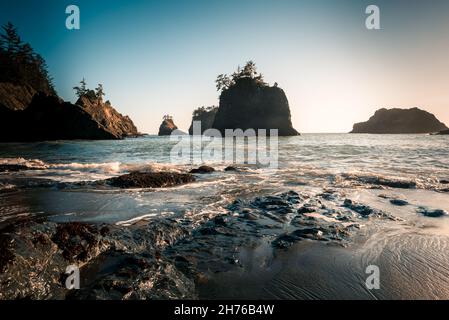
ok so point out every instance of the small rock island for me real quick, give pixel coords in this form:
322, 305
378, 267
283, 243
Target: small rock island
397, 121
167, 126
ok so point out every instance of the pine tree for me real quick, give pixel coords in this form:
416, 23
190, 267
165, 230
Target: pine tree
82, 89
11, 39
99, 92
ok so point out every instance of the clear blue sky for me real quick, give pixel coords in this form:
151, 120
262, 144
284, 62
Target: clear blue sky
159, 57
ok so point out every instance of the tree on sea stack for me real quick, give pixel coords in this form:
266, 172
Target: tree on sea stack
11, 39
99, 92
249, 71
82, 89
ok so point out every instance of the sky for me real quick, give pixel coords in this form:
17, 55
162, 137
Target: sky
162, 57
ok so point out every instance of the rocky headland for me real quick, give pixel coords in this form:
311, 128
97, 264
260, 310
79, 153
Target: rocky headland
30, 109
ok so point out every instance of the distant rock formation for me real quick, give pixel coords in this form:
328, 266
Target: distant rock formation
395, 121
206, 116
167, 126
247, 102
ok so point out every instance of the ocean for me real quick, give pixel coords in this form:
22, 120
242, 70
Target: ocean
404, 179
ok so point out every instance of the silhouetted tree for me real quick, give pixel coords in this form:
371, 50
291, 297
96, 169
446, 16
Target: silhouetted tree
99, 92
19, 64
81, 90
11, 38
224, 82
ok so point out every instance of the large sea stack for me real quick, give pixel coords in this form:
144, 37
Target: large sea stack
247, 102
395, 121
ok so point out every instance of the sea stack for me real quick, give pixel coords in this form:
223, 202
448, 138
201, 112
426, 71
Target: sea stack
167, 126
247, 102
396, 121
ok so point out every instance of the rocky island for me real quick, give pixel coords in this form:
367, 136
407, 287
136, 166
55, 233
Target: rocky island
247, 102
167, 126
30, 109
395, 121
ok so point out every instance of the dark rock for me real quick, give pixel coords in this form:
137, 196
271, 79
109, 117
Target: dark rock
250, 105
444, 132
398, 202
167, 127
15, 167
396, 121
6, 254
150, 180
444, 181
76, 240
359, 208
203, 170
432, 213
204, 115
307, 209
231, 168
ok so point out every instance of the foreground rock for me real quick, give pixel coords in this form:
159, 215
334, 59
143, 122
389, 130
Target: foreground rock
150, 180
49, 118
116, 263
203, 170
167, 258
394, 121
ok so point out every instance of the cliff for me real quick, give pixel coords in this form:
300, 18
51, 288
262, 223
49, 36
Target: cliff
204, 115
395, 121
249, 104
